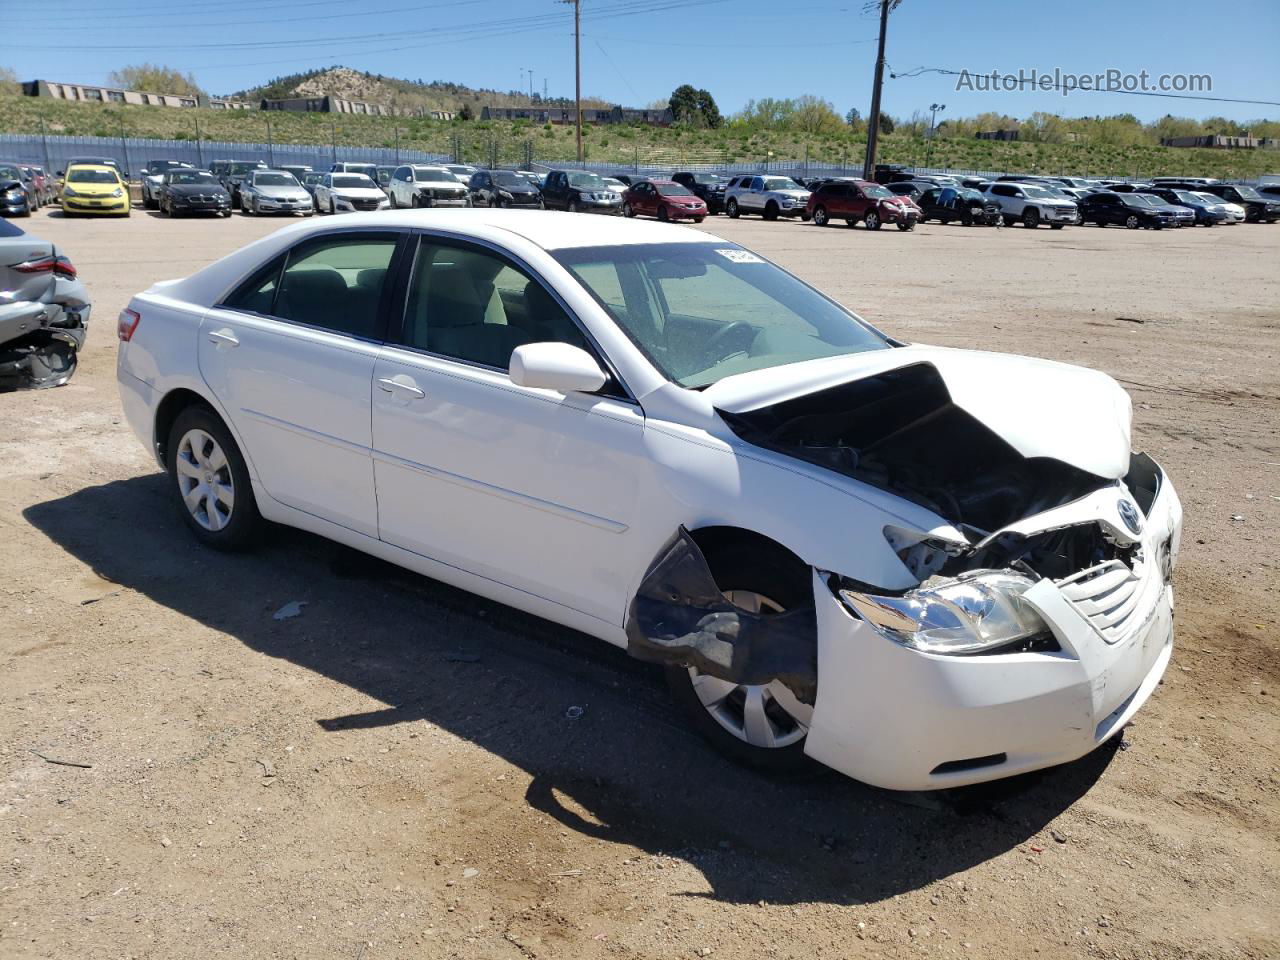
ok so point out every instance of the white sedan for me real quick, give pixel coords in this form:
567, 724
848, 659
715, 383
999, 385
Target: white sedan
349, 193
923, 567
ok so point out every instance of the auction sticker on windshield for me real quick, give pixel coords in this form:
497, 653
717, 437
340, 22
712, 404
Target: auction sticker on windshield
740, 256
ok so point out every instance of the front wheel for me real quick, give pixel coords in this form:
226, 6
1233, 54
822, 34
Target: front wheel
210, 481
872, 221
1031, 218
628, 210
731, 208
1132, 221
761, 725
663, 215
771, 211
905, 225
395, 204
1056, 226
573, 206
333, 207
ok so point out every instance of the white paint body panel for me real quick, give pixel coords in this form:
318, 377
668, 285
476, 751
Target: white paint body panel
557, 503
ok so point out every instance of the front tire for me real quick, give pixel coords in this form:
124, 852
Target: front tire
762, 726
1132, 222
872, 221
1031, 218
210, 481
771, 211
628, 210
906, 225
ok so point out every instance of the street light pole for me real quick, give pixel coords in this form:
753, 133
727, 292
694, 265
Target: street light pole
934, 109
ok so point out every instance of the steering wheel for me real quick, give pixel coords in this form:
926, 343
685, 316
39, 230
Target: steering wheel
723, 334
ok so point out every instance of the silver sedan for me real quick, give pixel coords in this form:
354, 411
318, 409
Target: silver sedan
274, 191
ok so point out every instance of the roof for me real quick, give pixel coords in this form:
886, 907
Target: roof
94, 166
550, 230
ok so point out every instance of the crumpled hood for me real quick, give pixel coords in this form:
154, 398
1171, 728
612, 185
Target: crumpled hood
1041, 408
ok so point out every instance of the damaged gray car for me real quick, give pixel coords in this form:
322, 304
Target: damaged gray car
44, 312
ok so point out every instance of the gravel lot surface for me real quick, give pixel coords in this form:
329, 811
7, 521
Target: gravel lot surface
393, 774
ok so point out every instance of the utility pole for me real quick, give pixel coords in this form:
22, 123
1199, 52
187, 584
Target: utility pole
577, 69
530, 84
873, 121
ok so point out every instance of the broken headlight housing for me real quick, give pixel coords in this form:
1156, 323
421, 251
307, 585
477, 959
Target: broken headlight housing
978, 612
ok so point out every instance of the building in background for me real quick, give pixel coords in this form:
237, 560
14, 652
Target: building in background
590, 115
90, 93
327, 104
1221, 142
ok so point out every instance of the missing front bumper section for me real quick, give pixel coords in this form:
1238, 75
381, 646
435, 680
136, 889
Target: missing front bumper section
680, 617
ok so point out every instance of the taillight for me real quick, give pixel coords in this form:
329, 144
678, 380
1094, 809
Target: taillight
60, 266
127, 324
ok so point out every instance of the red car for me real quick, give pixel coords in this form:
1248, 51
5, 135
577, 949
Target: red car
854, 200
664, 199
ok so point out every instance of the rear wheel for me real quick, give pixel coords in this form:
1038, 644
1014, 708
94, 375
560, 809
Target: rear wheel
820, 216
731, 208
762, 725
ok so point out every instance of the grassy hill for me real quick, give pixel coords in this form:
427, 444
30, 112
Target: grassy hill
508, 142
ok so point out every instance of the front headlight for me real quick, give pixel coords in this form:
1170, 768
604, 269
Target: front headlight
117, 192
972, 613
69, 192
505, 194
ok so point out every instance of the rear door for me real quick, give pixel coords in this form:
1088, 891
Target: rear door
289, 355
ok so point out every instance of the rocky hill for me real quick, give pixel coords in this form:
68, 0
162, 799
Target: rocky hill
406, 97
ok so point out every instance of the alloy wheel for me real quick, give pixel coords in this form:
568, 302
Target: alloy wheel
763, 715
204, 480
820, 216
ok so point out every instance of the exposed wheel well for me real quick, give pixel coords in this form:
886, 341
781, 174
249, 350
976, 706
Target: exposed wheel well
173, 404
725, 548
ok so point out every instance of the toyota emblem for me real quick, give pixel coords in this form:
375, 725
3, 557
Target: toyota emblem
1129, 514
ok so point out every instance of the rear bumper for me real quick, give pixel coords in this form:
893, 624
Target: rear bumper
138, 400
900, 719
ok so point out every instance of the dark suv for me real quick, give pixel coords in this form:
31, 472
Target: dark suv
1257, 208
708, 186
579, 191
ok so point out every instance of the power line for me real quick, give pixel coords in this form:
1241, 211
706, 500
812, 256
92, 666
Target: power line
417, 7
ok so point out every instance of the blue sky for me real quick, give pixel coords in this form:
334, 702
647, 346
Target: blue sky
636, 51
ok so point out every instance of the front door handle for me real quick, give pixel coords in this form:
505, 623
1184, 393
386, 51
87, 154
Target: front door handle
403, 388
223, 338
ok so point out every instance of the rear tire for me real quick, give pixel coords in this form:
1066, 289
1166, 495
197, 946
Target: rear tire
820, 217
731, 208
210, 481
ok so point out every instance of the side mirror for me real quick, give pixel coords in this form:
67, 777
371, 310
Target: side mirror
556, 366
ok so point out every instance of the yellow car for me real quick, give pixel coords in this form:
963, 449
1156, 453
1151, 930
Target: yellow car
93, 188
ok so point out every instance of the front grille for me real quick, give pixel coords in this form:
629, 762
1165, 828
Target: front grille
1113, 597
364, 204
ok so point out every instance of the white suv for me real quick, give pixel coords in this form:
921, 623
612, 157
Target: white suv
771, 196
1032, 204
416, 185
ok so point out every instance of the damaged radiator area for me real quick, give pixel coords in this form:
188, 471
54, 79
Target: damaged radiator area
901, 432
679, 616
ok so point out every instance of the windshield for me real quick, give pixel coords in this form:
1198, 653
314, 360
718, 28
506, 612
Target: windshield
274, 180
193, 176
708, 178
84, 175
1132, 199
364, 169
504, 178
673, 190
160, 166
876, 192
1247, 192
245, 167
1149, 199
973, 195
461, 171
431, 173
310, 178
1040, 193
1209, 197
352, 180
1187, 197
705, 311
781, 183
586, 180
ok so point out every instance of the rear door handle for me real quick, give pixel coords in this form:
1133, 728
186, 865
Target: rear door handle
223, 338
401, 387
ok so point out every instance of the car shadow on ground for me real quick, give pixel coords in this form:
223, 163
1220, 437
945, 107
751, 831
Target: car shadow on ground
625, 771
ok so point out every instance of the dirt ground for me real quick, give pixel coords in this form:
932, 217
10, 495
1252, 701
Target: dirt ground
393, 773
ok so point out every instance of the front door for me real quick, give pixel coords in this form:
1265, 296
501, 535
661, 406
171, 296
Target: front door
532, 488
290, 355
